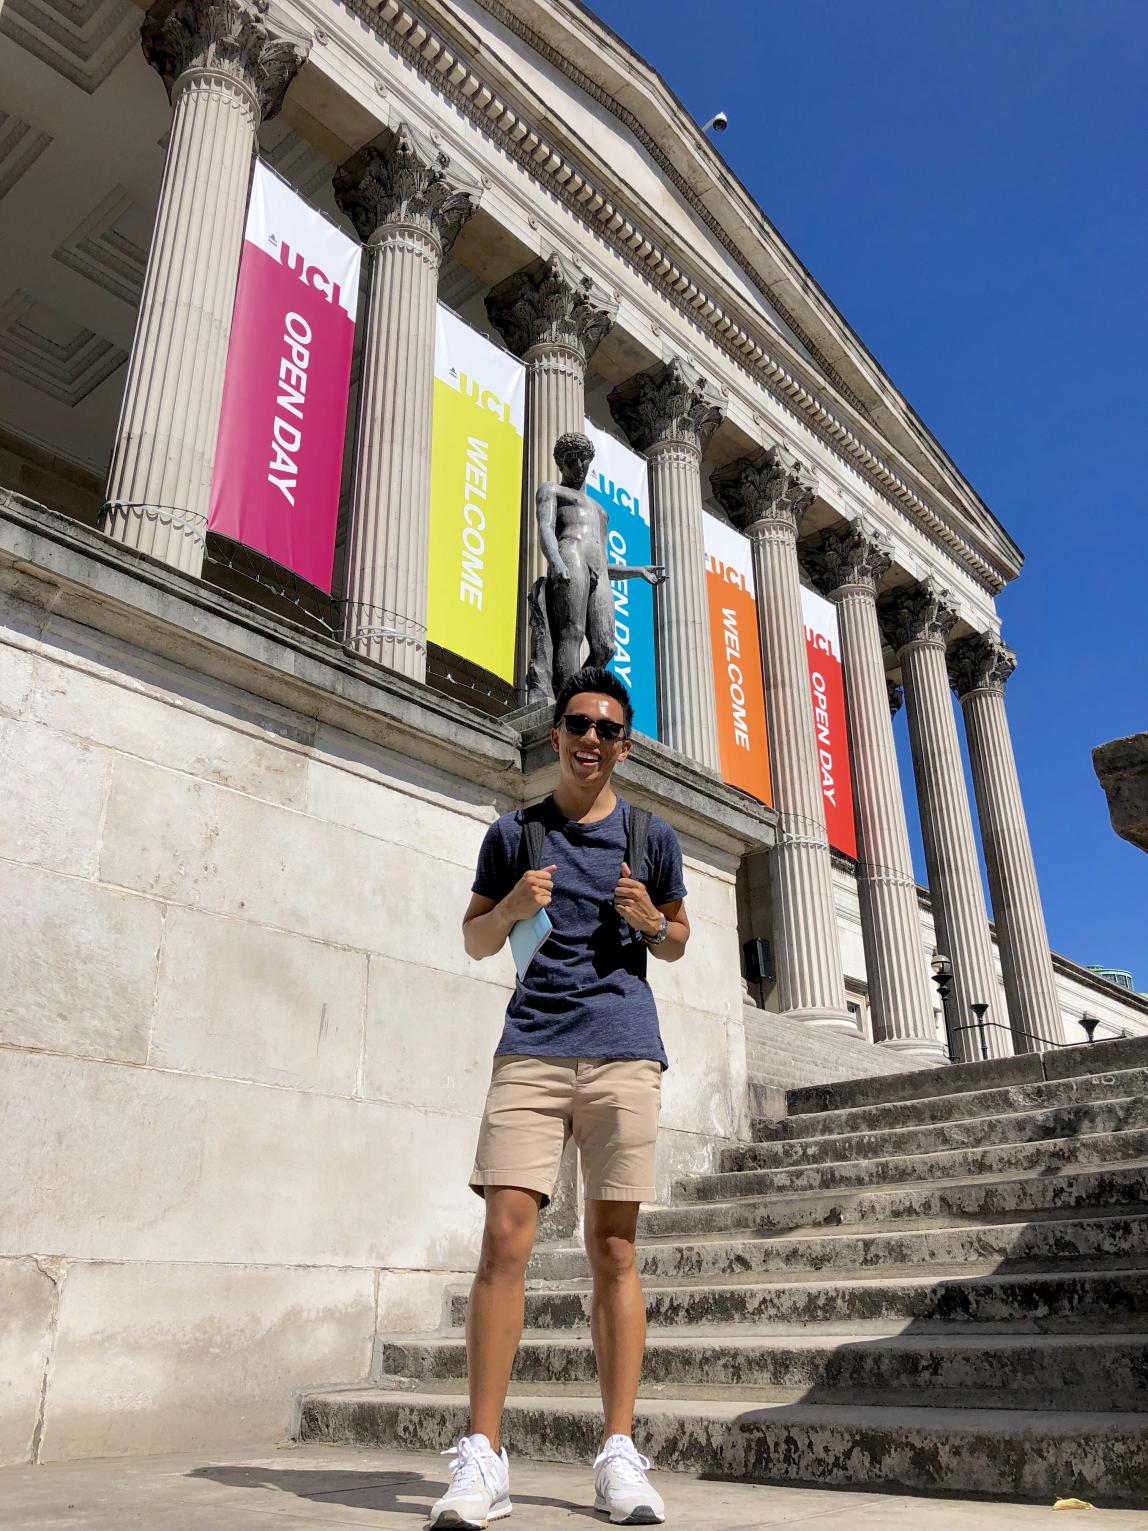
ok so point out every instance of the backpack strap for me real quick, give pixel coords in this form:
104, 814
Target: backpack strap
530, 847
637, 834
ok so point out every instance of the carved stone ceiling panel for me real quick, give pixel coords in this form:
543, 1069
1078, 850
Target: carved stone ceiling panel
82, 170
300, 163
60, 357
83, 40
110, 246
458, 285
21, 145
76, 224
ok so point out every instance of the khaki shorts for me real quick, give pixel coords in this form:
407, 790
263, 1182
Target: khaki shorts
534, 1105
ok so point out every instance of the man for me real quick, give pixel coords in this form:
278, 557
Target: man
581, 1053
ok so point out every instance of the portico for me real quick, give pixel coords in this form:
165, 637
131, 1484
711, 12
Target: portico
704, 354
243, 813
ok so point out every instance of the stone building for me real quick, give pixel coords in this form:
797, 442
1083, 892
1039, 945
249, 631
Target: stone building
243, 1050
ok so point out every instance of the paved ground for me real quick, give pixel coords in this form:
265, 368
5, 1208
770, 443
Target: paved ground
306, 1488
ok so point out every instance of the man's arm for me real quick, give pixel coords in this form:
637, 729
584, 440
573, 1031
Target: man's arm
677, 932
546, 512
634, 904
486, 924
652, 573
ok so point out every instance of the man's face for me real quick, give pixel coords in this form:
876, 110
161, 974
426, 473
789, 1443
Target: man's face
587, 759
574, 466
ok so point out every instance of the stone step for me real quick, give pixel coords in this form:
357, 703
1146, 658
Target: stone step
953, 1108
1095, 1301
1006, 1199
1037, 1372
960, 1164
1106, 1241
1007, 1452
1058, 1063
1039, 1126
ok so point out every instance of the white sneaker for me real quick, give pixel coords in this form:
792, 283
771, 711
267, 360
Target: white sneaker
621, 1488
479, 1485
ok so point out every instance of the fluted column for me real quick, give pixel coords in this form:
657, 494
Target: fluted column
670, 413
848, 566
765, 496
407, 202
918, 621
226, 68
980, 666
552, 315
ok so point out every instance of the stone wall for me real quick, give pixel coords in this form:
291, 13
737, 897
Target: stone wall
784, 1054
242, 1050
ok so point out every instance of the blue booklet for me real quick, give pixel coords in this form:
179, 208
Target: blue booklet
526, 937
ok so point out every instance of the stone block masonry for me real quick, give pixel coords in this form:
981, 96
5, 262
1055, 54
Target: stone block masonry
242, 1051
910, 1282
782, 1055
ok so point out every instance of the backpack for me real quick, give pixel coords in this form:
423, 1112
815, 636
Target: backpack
533, 821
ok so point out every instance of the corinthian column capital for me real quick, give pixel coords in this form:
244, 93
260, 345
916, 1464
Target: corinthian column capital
920, 613
235, 39
859, 554
411, 183
770, 488
552, 303
980, 662
671, 405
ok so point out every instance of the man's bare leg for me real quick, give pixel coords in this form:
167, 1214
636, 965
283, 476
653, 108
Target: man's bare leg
600, 628
566, 609
497, 1303
618, 1312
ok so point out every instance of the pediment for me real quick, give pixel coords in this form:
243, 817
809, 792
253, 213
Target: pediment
610, 109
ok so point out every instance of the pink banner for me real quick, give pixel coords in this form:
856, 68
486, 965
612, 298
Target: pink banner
827, 699
279, 455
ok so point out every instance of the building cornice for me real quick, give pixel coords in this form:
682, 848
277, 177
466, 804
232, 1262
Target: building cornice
612, 69
1087, 979
446, 65
514, 23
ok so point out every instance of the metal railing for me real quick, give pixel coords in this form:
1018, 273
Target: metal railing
982, 1027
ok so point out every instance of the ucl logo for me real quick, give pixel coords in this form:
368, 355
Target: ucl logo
310, 276
484, 398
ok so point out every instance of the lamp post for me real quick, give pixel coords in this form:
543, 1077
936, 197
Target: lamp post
1090, 1023
979, 1011
942, 970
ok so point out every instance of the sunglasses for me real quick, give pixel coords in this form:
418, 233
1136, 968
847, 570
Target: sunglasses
578, 724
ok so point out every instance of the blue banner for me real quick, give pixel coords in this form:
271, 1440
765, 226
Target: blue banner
618, 482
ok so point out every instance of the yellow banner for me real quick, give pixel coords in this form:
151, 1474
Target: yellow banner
476, 496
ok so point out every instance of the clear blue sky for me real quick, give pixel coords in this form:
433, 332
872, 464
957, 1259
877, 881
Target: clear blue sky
967, 181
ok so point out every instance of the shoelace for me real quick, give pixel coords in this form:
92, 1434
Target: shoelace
466, 1469
626, 1459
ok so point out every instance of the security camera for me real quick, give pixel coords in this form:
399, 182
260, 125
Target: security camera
718, 124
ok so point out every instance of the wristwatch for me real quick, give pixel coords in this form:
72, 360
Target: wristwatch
659, 935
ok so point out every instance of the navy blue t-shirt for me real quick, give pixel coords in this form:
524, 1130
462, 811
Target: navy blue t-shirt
585, 994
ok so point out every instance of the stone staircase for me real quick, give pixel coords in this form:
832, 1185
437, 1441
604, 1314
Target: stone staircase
937, 1281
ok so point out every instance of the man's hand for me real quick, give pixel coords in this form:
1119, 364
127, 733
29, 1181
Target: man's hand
654, 574
532, 892
559, 573
633, 903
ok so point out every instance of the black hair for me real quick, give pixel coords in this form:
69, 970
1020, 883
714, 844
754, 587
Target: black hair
600, 683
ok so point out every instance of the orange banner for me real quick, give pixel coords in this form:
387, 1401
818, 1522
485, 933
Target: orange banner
736, 645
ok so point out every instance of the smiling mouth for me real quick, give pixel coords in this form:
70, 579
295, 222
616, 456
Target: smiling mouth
585, 757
